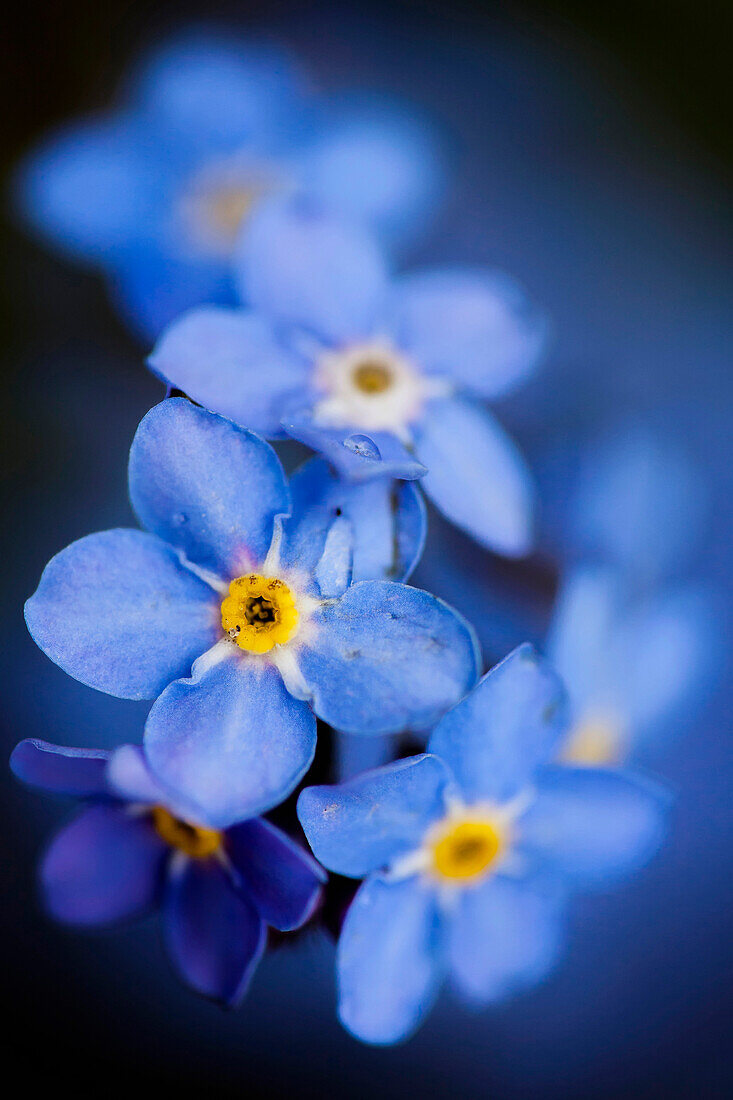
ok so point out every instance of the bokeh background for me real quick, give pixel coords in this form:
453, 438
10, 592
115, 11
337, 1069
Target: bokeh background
591, 155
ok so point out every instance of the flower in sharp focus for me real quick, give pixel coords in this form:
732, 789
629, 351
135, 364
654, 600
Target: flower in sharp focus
469, 851
157, 191
631, 665
133, 847
354, 365
246, 626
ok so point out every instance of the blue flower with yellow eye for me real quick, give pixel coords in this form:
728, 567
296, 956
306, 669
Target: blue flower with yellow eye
469, 851
358, 367
133, 847
245, 624
156, 192
632, 665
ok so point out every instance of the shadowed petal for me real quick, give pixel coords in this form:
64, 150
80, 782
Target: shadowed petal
386, 657
214, 934
356, 456
209, 488
282, 879
55, 768
103, 867
119, 612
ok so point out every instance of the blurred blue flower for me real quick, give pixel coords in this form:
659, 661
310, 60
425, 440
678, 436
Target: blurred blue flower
157, 191
632, 665
359, 368
469, 852
262, 615
134, 846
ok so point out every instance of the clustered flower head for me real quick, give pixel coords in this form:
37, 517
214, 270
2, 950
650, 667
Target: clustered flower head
263, 614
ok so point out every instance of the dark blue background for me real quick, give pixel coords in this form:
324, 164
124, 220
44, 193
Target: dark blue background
579, 171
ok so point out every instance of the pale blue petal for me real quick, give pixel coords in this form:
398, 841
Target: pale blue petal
390, 960
209, 488
231, 362
593, 825
510, 724
476, 476
60, 770
117, 611
129, 778
334, 570
386, 519
505, 935
308, 268
385, 657
231, 739
365, 824
356, 456
474, 326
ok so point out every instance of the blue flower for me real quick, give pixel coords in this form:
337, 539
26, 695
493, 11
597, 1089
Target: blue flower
632, 665
470, 850
133, 846
245, 627
157, 191
358, 368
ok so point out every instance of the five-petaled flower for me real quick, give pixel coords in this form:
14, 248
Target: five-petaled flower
245, 624
134, 845
377, 376
469, 851
156, 192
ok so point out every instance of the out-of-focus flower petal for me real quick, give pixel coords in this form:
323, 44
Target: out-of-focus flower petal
60, 770
356, 456
119, 612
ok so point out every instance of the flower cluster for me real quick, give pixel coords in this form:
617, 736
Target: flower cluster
249, 229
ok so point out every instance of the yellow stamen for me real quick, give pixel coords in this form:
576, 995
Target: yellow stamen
259, 613
594, 741
466, 849
196, 841
372, 378
227, 207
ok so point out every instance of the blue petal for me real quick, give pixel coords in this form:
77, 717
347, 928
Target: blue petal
386, 518
308, 268
471, 325
357, 457
390, 960
282, 880
355, 755
209, 488
476, 476
385, 658
505, 935
232, 363
231, 739
212, 92
366, 823
378, 164
105, 866
77, 772
333, 573
93, 187
118, 612
510, 724
214, 935
593, 825
129, 778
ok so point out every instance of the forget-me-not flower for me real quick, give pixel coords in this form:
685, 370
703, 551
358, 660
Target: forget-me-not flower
631, 664
469, 850
245, 627
156, 192
133, 846
361, 368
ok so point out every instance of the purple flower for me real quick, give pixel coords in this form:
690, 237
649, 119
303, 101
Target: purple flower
134, 846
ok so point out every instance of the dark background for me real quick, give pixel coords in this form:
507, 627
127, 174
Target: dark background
643, 1006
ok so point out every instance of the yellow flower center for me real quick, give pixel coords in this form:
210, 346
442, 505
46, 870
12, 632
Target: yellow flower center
372, 377
593, 741
195, 840
466, 849
259, 613
227, 207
